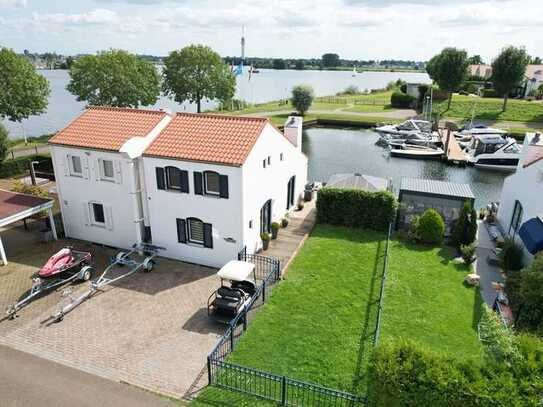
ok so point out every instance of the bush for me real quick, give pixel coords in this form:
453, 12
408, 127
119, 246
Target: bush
403, 88
465, 228
489, 93
265, 236
350, 90
23, 188
302, 98
431, 227
511, 255
18, 166
439, 95
405, 373
401, 100
356, 208
468, 252
4, 142
275, 226
498, 339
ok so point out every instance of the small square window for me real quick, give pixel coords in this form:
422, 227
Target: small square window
174, 178
106, 170
212, 183
76, 169
196, 231
98, 213
281, 157
264, 163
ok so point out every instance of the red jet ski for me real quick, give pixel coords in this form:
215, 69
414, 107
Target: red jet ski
65, 261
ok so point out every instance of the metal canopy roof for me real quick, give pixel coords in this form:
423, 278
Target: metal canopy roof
236, 270
358, 181
15, 206
434, 187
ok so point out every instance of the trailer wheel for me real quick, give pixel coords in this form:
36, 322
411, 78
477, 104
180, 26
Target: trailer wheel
86, 273
119, 256
148, 264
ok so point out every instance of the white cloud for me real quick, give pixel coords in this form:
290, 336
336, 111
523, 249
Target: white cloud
15, 3
96, 16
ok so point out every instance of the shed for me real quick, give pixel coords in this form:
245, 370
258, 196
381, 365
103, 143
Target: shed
15, 206
416, 195
358, 181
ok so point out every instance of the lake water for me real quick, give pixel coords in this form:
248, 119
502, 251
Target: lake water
332, 150
265, 86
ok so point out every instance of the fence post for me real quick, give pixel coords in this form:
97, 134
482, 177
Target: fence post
231, 339
245, 320
36, 148
284, 391
263, 291
209, 370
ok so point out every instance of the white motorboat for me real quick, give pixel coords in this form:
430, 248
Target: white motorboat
406, 128
415, 151
421, 139
473, 130
492, 151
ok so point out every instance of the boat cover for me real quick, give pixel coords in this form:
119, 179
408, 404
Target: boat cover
531, 233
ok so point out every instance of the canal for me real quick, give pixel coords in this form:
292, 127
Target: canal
342, 150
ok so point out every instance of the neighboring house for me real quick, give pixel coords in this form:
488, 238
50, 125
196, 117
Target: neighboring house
533, 77
483, 71
201, 186
417, 194
520, 214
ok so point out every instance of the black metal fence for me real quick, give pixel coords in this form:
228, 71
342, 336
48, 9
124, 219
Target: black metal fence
259, 383
382, 291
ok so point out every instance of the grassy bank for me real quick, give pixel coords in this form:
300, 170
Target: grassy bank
31, 141
426, 300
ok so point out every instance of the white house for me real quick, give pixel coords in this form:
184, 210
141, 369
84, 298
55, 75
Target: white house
201, 186
521, 205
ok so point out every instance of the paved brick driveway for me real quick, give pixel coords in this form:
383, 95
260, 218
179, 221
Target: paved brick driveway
151, 330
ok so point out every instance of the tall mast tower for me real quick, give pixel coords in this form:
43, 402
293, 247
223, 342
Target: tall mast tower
242, 44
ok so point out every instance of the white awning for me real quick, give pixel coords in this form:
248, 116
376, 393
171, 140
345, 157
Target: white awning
236, 270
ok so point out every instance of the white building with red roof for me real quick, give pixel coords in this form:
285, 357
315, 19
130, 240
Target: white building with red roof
521, 205
202, 186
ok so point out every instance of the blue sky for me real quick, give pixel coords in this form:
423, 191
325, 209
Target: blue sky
361, 29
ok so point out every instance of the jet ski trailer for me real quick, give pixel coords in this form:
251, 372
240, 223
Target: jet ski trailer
123, 258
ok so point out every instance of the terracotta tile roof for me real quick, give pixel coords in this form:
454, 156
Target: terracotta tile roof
108, 128
208, 138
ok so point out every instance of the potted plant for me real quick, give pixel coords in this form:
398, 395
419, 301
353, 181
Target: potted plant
265, 240
274, 229
284, 222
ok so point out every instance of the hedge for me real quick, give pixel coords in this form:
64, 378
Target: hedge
399, 99
20, 165
404, 373
490, 93
356, 208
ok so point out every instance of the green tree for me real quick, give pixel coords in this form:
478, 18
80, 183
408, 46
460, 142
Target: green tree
475, 60
23, 91
114, 78
279, 63
299, 65
508, 70
302, 98
197, 72
536, 61
330, 60
449, 70
465, 229
3, 142
431, 227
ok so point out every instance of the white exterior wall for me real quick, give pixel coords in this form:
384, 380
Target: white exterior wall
75, 194
224, 214
261, 184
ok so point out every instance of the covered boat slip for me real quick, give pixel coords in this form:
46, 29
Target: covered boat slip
15, 206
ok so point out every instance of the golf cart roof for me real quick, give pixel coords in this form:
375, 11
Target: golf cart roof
236, 270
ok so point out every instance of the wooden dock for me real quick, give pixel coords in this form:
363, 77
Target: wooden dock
453, 152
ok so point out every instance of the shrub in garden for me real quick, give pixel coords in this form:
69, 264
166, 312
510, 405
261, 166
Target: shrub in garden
465, 228
356, 208
3, 142
401, 100
489, 93
431, 227
511, 255
468, 252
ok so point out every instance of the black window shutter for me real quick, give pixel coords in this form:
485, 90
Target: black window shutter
184, 181
223, 182
198, 185
208, 235
181, 231
160, 179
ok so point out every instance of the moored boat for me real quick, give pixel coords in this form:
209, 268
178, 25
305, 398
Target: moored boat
490, 151
415, 151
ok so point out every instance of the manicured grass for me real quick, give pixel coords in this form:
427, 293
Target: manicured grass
369, 108
318, 324
31, 141
426, 300
491, 109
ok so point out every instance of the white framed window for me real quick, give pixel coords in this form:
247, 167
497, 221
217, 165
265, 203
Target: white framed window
173, 178
212, 183
107, 170
195, 229
75, 165
98, 214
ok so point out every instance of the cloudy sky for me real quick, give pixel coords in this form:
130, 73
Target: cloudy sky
358, 29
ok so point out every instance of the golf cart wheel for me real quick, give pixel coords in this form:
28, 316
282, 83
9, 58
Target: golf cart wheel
85, 273
148, 264
119, 256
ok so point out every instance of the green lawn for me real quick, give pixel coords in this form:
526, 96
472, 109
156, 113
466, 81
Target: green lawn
491, 109
318, 324
426, 300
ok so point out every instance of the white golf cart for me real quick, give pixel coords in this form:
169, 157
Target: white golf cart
234, 294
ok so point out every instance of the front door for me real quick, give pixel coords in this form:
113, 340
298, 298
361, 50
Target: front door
265, 217
290, 191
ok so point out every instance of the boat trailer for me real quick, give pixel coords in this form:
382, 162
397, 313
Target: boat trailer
83, 271
123, 258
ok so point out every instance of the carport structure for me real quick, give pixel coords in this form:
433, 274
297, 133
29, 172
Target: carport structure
15, 206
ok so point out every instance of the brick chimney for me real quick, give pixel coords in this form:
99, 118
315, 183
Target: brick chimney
293, 130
